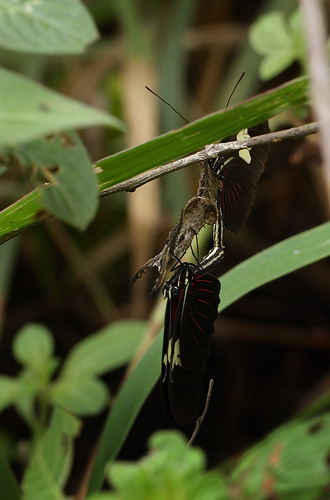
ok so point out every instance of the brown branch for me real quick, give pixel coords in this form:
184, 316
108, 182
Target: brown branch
210, 151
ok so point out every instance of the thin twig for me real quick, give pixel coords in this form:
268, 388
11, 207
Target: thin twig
210, 151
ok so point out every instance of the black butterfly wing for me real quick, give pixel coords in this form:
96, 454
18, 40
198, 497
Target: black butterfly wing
241, 174
192, 313
170, 359
198, 316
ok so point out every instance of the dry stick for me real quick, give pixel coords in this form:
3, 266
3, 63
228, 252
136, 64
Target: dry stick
314, 15
210, 151
200, 419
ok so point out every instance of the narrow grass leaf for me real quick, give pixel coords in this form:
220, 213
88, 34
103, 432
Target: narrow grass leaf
127, 406
8, 482
274, 262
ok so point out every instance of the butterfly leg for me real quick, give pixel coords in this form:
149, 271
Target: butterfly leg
217, 253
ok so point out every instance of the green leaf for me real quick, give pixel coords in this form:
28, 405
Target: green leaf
84, 396
77, 389
291, 463
296, 26
275, 62
9, 391
270, 34
158, 151
72, 194
45, 26
316, 406
33, 345
31, 385
270, 37
179, 470
73, 197
102, 495
125, 409
8, 257
109, 349
29, 110
196, 135
281, 41
274, 262
8, 482
50, 464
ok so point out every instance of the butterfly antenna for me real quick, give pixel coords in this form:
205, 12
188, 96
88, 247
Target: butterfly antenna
232, 92
168, 104
178, 261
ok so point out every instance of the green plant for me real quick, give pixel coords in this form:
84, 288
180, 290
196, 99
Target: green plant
77, 386
30, 110
49, 395
279, 41
289, 463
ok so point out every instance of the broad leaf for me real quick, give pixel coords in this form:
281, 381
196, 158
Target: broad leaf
82, 396
9, 391
46, 26
291, 463
279, 40
77, 388
71, 195
106, 350
33, 345
50, 464
29, 110
180, 470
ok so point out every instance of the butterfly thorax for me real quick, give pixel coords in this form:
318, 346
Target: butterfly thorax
209, 185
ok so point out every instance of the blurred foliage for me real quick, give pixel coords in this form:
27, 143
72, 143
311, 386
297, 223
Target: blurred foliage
290, 463
77, 386
171, 470
50, 463
280, 41
71, 193
63, 27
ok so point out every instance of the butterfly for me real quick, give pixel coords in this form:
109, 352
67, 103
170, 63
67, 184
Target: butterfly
225, 195
192, 308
